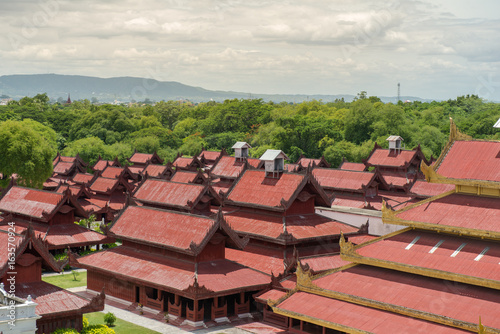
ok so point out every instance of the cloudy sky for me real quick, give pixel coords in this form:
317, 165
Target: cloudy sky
436, 49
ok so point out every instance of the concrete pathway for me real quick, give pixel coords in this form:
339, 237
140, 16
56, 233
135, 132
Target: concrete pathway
66, 272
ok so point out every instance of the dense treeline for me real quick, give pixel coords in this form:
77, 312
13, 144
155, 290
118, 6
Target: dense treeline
335, 130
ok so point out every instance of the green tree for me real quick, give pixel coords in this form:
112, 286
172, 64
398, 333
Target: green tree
89, 149
26, 149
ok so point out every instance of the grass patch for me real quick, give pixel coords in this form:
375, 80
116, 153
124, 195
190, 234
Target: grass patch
67, 280
120, 327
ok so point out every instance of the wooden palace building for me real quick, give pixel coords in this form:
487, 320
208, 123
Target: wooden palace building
440, 274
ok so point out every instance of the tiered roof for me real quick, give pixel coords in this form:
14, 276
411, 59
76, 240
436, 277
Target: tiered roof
230, 167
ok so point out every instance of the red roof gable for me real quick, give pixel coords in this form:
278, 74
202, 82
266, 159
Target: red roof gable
458, 301
254, 187
164, 228
169, 194
144, 158
166, 273
342, 179
433, 251
210, 155
465, 211
30, 202
324, 262
73, 235
478, 160
63, 167
358, 317
266, 260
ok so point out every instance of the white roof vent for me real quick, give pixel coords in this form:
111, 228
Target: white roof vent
274, 161
241, 149
395, 143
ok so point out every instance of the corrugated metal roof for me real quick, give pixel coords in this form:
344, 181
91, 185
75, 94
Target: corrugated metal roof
154, 170
423, 188
273, 154
227, 167
359, 317
342, 179
166, 228
30, 202
103, 184
63, 167
101, 165
51, 299
457, 301
324, 262
255, 188
73, 235
141, 158
394, 138
82, 178
272, 294
112, 172
418, 248
384, 157
241, 144
356, 166
266, 260
466, 211
218, 276
478, 160
169, 193
210, 155
182, 162
184, 176
300, 226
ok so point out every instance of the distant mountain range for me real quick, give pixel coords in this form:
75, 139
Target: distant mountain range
127, 89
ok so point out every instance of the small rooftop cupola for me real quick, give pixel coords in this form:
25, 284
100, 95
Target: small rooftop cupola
395, 143
274, 162
241, 150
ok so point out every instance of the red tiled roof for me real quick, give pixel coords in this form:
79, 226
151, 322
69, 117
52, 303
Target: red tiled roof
307, 226
291, 167
169, 193
458, 301
184, 176
396, 179
217, 276
222, 186
266, 260
362, 238
4, 239
30, 202
402, 248
342, 179
116, 201
103, 184
359, 317
254, 187
154, 170
182, 162
67, 159
112, 172
374, 203
63, 167
166, 228
75, 190
356, 166
304, 162
135, 169
466, 211
478, 160
324, 262
359, 202
141, 158
82, 178
385, 157
51, 299
425, 189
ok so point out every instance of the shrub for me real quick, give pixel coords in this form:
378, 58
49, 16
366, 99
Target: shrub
65, 331
109, 319
85, 322
97, 329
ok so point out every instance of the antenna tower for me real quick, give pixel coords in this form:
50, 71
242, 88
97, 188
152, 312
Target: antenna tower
399, 92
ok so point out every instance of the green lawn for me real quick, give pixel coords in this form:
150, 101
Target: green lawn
67, 280
120, 327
